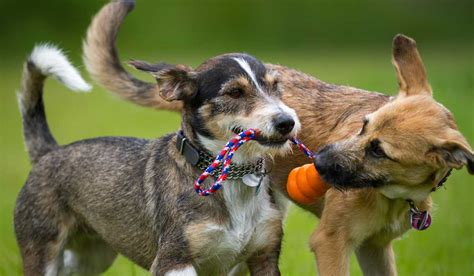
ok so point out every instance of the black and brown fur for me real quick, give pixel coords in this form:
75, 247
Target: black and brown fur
389, 148
85, 202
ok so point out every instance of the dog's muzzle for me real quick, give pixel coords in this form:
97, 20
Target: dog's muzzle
341, 176
277, 133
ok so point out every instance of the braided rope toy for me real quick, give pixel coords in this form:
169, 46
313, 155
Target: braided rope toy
305, 195
302, 147
228, 152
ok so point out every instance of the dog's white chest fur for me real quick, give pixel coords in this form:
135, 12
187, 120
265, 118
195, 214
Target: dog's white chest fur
250, 227
248, 211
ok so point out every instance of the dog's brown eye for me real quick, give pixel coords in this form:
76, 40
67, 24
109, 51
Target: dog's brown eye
376, 150
235, 93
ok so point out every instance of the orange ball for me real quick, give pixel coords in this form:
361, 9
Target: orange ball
304, 184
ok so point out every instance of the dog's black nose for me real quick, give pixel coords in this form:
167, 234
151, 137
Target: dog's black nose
284, 124
320, 163
321, 160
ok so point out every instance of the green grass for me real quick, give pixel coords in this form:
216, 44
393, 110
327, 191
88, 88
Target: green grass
444, 249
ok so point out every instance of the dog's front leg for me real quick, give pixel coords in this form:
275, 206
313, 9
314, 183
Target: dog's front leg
176, 270
170, 261
331, 241
265, 260
332, 249
376, 258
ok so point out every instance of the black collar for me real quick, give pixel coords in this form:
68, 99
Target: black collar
202, 160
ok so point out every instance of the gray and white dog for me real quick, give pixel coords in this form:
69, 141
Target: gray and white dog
87, 201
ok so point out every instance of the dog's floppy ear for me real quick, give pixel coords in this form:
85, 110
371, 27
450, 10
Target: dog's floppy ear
175, 82
455, 153
412, 79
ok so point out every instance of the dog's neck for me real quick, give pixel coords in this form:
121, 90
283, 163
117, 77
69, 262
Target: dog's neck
416, 193
404, 192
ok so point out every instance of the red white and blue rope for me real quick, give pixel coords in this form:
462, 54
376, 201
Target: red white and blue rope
228, 152
302, 147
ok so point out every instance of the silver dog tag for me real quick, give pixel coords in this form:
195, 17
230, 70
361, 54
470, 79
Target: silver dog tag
252, 180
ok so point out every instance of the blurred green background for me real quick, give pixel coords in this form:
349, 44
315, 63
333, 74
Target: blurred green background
344, 42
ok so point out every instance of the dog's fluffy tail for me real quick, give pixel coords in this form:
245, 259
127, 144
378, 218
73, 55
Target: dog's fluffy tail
44, 61
102, 61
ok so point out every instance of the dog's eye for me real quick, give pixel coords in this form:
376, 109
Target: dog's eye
235, 93
376, 150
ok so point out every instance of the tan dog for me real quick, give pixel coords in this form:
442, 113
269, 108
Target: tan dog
391, 149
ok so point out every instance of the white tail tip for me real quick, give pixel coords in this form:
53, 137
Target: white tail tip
51, 61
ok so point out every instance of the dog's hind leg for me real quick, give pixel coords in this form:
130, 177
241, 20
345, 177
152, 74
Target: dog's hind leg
41, 231
86, 253
376, 258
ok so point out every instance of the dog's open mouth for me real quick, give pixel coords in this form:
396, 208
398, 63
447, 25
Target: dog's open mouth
265, 140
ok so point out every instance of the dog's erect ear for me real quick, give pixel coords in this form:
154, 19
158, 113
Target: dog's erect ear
456, 153
412, 79
175, 82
